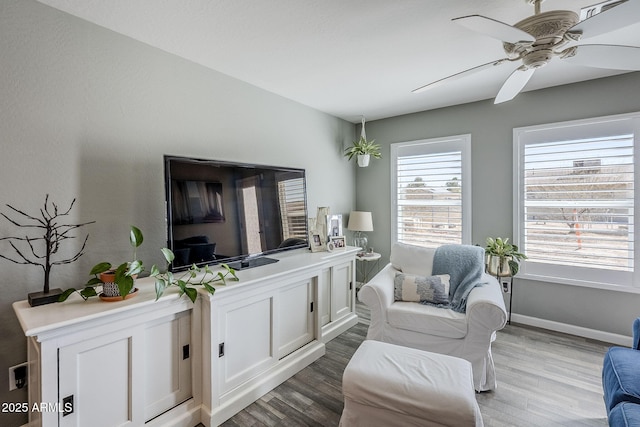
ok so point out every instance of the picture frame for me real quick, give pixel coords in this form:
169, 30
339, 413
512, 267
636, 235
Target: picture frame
339, 243
334, 225
317, 242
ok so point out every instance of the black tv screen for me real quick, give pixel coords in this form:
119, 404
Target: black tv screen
221, 211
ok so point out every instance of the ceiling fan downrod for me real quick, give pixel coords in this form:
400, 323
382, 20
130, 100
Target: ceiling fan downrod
536, 5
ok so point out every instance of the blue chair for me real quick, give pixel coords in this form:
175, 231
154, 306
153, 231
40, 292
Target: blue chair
621, 382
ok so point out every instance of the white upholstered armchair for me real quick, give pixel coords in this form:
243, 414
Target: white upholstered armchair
467, 334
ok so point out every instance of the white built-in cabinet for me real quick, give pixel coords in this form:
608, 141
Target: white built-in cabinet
170, 362
120, 370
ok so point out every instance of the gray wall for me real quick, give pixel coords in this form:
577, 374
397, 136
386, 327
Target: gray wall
86, 113
491, 129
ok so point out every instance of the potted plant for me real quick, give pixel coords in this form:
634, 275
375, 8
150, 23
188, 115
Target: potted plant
121, 279
502, 258
364, 150
190, 278
115, 282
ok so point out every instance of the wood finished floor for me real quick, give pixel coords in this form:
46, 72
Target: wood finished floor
544, 379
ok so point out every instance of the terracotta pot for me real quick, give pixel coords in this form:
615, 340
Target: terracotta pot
109, 288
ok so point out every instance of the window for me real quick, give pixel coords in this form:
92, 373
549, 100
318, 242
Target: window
575, 185
431, 195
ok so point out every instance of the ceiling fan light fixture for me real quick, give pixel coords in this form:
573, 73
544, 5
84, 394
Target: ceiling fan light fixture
537, 58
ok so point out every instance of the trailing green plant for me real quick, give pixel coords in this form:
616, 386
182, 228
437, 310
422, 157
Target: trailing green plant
190, 278
362, 146
126, 272
506, 251
123, 275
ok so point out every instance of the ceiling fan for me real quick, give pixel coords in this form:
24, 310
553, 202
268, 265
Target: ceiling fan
536, 40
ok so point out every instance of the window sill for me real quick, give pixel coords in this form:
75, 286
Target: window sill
580, 283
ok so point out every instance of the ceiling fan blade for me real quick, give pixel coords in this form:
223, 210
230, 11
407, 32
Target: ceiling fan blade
611, 57
617, 17
459, 75
496, 29
514, 84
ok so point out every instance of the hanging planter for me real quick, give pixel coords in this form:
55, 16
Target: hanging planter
363, 149
363, 160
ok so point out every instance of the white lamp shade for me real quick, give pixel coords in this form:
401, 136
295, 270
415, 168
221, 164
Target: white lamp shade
360, 221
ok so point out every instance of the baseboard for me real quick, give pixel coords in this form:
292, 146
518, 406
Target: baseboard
579, 331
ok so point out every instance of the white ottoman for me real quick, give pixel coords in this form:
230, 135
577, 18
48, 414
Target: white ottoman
389, 385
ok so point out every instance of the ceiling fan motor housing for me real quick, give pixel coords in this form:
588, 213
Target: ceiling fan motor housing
549, 29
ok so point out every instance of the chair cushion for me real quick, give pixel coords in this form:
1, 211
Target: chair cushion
433, 289
621, 376
427, 319
412, 259
625, 414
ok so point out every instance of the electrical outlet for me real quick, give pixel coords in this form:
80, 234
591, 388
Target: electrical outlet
12, 376
506, 286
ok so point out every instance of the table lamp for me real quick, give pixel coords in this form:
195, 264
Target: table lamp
360, 221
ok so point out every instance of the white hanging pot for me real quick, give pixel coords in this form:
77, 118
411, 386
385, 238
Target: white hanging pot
363, 160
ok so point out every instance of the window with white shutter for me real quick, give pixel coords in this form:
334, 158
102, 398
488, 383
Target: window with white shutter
431, 195
575, 200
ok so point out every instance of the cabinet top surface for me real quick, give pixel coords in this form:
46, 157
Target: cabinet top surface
48, 318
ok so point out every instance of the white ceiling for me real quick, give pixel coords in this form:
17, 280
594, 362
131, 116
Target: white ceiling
345, 57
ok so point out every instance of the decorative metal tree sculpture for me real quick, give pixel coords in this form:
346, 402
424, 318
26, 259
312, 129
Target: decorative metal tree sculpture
29, 251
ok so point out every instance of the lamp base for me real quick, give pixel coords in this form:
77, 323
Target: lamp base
361, 241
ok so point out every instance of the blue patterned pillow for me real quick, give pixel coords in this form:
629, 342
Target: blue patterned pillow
432, 289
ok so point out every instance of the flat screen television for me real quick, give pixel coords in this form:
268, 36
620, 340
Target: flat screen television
225, 212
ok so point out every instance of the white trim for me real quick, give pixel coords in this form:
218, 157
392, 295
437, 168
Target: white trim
565, 328
458, 142
585, 128
582, 283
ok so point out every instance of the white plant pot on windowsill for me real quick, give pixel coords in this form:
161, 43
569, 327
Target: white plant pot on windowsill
363, 160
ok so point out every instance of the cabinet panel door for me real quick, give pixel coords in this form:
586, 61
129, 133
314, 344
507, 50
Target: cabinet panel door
295, 319
246, 330
99, 374
324, 296
167, 363
341, 290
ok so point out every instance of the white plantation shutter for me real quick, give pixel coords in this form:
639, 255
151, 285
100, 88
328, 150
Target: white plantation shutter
575, 202
579, 198
430, 191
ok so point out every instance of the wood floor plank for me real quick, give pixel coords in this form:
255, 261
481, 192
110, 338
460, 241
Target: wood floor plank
545, 379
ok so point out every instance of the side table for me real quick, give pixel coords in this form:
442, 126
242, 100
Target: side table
367, 263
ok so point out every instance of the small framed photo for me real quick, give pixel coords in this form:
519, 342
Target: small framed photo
338, 242
334, 225
317, 242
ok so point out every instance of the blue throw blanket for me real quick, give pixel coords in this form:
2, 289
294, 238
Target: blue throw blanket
465, 265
